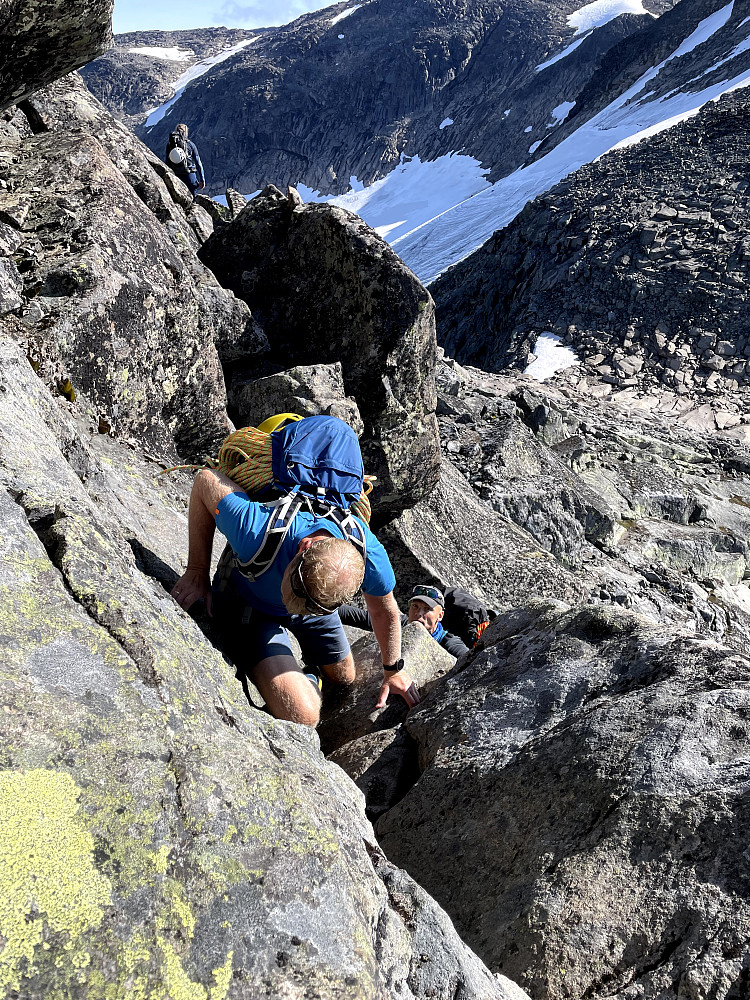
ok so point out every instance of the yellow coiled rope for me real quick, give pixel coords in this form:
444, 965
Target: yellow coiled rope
245, 458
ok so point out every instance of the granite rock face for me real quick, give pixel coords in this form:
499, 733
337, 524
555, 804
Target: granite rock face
307, 390
326, 289
43, 40
104, 290
185, 841
455, 539
583, 791
645, 510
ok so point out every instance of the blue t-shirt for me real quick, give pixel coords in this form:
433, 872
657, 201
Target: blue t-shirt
243, 521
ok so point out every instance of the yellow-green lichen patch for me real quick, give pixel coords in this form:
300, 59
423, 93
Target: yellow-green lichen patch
285, 823
47, 876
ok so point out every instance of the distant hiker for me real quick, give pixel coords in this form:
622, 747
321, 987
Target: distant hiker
426, 608
291, 563
182, 156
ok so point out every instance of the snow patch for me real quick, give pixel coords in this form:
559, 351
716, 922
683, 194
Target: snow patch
446, 122
534, 146
506, 113
192, 74
172, 55
561, 112
528, 128
412, 194
341, 36
563, 54
601, 12
343, 14
551, 357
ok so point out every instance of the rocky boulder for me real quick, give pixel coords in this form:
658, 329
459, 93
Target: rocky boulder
43, 40
307, 390
349, 712
455, 539
584, 795
157, 833
102, 287
327, 289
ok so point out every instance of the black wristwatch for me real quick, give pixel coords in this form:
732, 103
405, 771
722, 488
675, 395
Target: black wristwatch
398, 665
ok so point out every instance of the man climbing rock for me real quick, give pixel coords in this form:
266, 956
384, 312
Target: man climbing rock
182, 156
426, 608
313, 573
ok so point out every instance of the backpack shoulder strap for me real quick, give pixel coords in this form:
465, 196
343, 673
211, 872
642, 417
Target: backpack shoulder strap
352, 529
283, 514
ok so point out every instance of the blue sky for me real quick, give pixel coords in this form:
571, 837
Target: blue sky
132, 15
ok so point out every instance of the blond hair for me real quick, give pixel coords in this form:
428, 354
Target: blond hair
332, 573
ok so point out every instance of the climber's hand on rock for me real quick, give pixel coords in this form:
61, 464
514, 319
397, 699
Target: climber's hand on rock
398, 683
194, 585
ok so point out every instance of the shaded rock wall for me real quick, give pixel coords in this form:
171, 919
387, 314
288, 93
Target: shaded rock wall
104, 290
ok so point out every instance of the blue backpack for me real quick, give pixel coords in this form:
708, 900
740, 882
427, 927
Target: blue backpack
317, 465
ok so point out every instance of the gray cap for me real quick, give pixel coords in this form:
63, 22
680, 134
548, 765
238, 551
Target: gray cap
431, 596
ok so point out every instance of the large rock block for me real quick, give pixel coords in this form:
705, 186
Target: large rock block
610, 757
349, 712
326, 288
158, 836
308, 390
116, 309
455, 539
43, 40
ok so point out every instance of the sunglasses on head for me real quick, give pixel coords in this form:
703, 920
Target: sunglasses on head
297, 583
432, 592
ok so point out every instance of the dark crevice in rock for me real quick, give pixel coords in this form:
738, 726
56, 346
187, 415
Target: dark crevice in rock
179, 772
226, 717
37, 124
658, 961
9, 220
152, 566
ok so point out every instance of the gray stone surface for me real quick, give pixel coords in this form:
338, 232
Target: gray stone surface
307, 390
113, 299
189, 843
349, 713
583, 794
43, 40
455, 539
